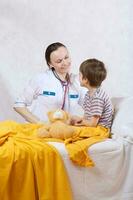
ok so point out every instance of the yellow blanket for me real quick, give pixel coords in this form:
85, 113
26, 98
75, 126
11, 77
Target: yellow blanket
77, 146
29, 168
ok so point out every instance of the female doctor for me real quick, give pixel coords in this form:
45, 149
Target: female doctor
54, 88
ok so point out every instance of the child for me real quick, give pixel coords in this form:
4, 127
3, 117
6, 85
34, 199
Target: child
98, 109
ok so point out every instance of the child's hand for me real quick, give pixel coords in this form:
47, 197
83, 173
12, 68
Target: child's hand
75, 120
79, 123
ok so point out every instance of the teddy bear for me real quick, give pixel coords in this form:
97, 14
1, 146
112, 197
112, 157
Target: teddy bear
58, 126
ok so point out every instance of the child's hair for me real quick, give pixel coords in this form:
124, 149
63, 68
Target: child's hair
94, 71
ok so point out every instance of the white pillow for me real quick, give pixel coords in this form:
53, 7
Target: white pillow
123, 117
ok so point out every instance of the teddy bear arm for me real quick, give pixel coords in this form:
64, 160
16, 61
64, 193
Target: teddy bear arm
43, 132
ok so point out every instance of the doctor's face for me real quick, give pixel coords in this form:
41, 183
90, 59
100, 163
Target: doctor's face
60, 60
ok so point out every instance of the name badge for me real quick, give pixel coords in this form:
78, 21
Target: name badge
73, 96
49, 93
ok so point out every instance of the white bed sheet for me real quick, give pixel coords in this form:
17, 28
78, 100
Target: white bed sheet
110, 179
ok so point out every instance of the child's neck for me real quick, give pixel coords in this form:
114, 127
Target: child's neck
92, 90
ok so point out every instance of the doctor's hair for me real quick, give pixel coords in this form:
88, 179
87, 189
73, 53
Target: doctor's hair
52, 47
94, 71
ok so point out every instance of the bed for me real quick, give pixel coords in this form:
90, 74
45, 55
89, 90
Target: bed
111, 177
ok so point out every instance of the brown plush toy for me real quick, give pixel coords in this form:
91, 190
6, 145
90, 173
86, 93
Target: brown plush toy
58, 127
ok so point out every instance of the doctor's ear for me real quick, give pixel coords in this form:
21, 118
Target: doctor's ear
52, 68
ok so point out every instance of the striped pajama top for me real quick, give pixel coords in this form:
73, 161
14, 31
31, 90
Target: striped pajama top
98, 105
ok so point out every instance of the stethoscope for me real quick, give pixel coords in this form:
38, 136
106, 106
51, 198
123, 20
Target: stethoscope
65, 85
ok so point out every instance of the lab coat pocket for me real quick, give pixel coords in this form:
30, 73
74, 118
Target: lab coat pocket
49, 97
73, 98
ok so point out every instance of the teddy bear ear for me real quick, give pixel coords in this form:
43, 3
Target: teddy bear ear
67, 115
50, 115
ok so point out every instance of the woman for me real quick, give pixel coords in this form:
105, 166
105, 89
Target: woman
55, 88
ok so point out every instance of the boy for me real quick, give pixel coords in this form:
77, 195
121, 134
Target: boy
98, 109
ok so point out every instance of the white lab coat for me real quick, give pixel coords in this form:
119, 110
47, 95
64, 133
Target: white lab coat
45, 92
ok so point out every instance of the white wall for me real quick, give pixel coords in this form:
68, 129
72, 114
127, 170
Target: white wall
90, 28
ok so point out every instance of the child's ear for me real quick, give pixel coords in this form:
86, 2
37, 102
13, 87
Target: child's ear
86, 81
